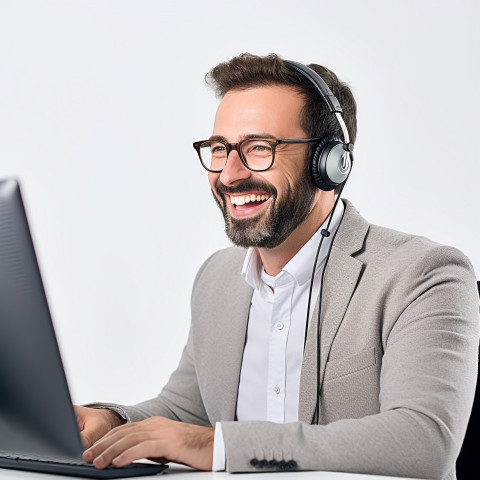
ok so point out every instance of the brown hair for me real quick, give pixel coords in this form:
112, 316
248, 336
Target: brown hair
247, 70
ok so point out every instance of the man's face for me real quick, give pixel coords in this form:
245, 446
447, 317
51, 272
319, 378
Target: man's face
262, 209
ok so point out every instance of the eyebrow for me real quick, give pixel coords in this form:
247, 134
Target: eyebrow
245, 137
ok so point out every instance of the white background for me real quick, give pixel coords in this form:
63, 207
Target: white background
100, 101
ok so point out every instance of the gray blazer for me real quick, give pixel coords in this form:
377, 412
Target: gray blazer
398, 360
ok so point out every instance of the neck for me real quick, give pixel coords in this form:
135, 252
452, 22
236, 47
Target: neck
274, 259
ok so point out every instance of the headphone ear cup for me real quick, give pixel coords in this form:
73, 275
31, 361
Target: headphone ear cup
326, 164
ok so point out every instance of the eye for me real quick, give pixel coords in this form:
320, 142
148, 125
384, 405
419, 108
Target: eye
257, 147
261, 147
217, 148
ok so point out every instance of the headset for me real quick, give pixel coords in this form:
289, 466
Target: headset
331, 161
331, 164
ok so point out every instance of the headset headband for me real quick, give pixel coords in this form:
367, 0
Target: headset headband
330, 99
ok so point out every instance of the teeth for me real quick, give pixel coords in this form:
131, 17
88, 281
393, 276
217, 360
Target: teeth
237, 200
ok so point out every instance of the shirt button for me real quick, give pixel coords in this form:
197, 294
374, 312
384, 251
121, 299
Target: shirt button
276, 389
279, 325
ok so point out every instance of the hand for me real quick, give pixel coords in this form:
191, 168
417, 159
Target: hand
94, 423
157, 438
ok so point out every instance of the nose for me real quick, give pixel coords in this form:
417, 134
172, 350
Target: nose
234, 170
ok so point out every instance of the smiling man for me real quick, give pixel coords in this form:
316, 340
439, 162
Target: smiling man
373, 372
289, 206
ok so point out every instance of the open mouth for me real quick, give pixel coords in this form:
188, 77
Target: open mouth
248, 203
239, 200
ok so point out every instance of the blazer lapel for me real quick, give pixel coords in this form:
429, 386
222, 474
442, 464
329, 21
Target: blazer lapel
341, 277
235, 339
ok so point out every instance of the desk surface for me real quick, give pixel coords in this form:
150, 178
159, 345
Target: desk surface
184, 473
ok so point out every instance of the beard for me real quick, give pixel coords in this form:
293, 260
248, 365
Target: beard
272, 227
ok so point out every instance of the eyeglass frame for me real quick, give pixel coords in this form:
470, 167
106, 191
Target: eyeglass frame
238, 148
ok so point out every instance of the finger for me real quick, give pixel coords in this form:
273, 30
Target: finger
101, 443
115, 435
107, 442
96, 449
117, 448
145, 449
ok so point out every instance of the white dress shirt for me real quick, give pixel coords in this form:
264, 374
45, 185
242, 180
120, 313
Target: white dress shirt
273, 354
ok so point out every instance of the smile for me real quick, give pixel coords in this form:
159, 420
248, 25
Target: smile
239, 200
248, 204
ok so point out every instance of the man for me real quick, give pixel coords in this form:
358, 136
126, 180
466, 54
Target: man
388, 387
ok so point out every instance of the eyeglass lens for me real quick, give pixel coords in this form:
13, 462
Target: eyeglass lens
257, 153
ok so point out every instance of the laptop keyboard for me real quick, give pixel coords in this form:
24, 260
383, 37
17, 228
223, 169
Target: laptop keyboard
74, 466
44, 458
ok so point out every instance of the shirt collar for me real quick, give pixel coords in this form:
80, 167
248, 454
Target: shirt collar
300, 266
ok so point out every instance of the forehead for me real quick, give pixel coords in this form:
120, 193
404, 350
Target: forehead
272, 109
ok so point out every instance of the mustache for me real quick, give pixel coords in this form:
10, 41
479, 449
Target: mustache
245, 187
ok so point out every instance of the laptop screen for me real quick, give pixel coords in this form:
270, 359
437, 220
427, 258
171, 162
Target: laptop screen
36, 413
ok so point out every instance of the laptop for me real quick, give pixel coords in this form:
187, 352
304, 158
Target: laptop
38, 427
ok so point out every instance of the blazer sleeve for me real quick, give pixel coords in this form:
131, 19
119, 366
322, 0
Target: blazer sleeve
427, 385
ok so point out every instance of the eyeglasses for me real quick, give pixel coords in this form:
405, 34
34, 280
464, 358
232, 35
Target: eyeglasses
257, 154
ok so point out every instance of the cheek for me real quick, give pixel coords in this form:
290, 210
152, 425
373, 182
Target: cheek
286, 180
289, 169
